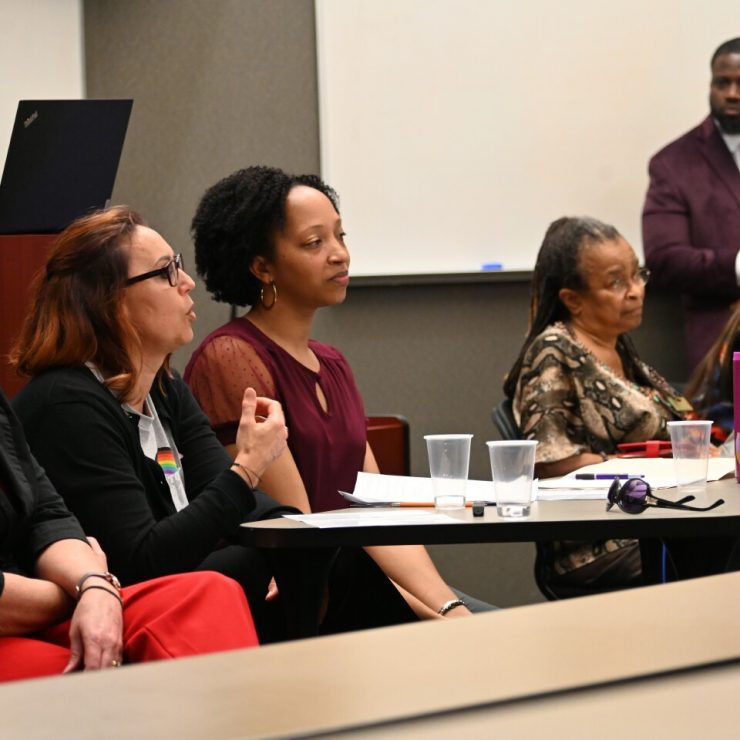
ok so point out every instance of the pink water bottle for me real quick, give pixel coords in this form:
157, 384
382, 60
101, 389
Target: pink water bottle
736, 408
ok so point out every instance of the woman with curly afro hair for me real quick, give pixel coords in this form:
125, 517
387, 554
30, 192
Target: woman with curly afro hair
275, 242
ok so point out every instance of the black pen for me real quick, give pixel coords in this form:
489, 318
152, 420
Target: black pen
607, 476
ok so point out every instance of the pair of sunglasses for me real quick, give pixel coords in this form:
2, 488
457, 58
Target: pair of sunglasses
635, 495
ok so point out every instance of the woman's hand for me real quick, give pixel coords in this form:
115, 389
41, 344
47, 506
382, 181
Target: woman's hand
272, 591
95, 634
96, 631
262, 433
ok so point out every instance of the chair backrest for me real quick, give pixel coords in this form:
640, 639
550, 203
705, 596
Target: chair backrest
503, 418
389, 440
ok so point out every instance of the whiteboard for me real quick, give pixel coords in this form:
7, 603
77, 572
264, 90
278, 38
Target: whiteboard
455, 131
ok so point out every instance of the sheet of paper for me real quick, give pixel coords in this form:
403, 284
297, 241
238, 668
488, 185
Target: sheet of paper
657, 471
568, 481
372, 488
564, 493
372, 518
719, 467
569, 488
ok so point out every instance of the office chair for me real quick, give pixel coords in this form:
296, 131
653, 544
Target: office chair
503, 418
390, 442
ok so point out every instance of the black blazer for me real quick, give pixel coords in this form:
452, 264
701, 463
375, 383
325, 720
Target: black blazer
90, 448
32, 515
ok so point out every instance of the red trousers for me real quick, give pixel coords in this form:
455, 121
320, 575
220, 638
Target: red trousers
170, 617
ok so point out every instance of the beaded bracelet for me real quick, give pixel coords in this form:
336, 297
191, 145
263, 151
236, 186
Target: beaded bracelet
448, 606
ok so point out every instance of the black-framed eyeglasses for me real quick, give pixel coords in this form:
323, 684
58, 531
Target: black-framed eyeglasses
171, 271
635, 495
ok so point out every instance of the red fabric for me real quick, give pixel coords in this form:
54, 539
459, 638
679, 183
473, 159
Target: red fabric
170, 617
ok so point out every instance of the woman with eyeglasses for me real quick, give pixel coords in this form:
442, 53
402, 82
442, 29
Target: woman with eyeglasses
119, 433
579, 386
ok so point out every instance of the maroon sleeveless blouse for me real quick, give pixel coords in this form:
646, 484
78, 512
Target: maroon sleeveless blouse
328, 446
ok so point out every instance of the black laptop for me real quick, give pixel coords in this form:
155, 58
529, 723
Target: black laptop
61, 163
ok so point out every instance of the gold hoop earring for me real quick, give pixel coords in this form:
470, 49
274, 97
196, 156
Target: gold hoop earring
274, 296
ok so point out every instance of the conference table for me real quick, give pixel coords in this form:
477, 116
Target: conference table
303, 553
656, 661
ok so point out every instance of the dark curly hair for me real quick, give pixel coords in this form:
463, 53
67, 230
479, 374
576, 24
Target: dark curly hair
236, 221
557, 268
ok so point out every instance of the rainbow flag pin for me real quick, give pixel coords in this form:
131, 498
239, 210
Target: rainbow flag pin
166, 460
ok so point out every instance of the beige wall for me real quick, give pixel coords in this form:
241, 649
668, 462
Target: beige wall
41, 56
223, 84
217, 85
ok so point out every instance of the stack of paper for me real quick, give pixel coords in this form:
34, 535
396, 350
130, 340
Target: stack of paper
400, 490
407, 517
375, 490
657, 471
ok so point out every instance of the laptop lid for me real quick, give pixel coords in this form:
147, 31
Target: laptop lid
62, 162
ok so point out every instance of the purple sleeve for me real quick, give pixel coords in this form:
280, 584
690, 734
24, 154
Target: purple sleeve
668, 239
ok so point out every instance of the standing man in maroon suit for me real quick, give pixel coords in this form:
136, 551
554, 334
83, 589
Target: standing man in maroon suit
691, 218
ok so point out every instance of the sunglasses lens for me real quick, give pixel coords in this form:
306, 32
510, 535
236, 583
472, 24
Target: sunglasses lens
632, 504
633, 495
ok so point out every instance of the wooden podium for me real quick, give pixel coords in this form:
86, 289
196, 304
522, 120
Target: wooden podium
21, 257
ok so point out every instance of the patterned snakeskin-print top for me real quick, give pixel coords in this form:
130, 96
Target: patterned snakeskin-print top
572, 403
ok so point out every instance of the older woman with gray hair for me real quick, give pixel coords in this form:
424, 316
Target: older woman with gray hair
579, 386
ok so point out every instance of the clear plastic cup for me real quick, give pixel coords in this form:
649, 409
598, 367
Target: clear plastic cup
512, 469
449, 461
690, 443
449, 503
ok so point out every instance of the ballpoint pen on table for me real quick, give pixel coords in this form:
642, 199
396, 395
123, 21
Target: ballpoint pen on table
607, 476
398, 504
410, 504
